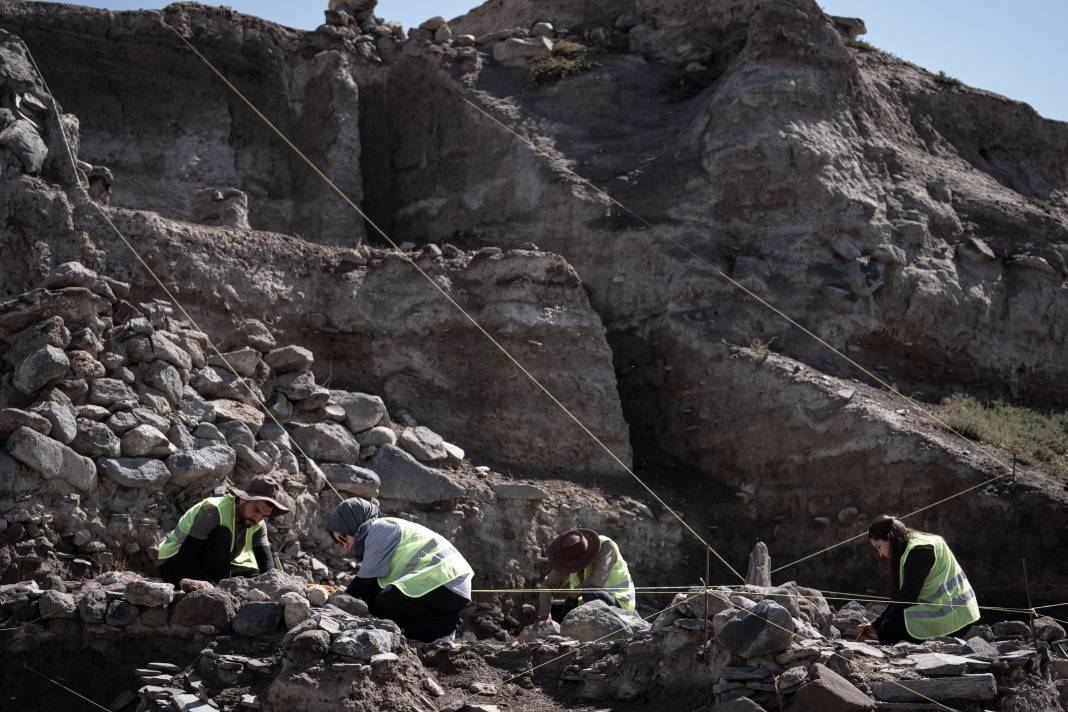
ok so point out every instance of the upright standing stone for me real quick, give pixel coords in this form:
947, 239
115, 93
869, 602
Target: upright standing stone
759, 573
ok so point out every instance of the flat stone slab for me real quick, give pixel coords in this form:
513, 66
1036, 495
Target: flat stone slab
978, 687
942, 664
869, 651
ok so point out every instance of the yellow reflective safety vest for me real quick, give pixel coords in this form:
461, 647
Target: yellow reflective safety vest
422, 561
618, 582
227, 506
949, 601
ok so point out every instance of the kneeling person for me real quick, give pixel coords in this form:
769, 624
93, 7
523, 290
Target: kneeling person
408, 573
221, 537
582, 559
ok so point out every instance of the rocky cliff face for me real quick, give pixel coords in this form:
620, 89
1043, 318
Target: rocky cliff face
918, 225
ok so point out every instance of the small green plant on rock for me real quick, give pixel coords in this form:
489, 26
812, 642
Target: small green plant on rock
1043, 205
1037, 438
569, 59
943, 78
861, 45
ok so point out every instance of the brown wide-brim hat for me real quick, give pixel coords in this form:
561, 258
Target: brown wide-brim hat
574, 550
262, 489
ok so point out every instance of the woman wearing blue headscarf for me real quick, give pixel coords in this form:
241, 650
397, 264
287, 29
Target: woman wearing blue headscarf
408, 573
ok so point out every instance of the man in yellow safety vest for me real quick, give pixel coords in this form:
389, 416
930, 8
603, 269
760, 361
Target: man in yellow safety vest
220, 537
582, 559
408, 573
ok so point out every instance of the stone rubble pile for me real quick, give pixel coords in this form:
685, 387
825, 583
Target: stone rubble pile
116, 418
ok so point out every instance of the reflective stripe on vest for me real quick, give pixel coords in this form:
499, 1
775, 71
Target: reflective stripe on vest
227, 507
949, 602
618, 582
422, 561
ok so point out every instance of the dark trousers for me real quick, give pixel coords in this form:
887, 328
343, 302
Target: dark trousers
892, 629
562, 606
427, 618
205, 561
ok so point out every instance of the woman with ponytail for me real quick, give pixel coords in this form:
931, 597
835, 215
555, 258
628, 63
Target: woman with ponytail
931, 594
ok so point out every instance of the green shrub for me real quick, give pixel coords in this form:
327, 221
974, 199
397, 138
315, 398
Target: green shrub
943, 78
861, 45
556, 68
1036, 438
1041, 204
569, 49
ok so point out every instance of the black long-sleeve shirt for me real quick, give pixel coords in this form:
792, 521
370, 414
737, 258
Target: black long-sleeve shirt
918, 565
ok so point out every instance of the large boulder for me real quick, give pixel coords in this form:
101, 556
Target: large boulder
764, 629
146, 440
258, 618
597, 620
208, 607
327, 442
290, 358
94, 439
828, 691
150, 594
52, 459
404, 478
356, 481
41, 367
135, 472
214, 461
362, 411
423, 444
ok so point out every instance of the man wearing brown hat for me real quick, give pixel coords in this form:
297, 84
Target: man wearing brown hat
221, 537
583, 560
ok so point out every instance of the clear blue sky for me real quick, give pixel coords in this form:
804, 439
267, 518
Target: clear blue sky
1016, 49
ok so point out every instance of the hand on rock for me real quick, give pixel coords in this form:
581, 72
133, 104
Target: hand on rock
539, 630
190, 585
866, 630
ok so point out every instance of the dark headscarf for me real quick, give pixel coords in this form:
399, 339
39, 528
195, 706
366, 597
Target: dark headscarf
353, 517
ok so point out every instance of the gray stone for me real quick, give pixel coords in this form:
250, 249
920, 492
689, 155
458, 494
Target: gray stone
121, 614
423, 444
308, 646
514, 50
258, 618
51, 458
122, 421
362, 643
146, 441
759, 573
1011, 629
40, 368
135, 472
253, 461
84, 365
244, 361
180, 437
744, 704
11, 419
55, 604
404, 478
209, 607
188, 467
97, 439
236, 433
274, 583
165, 378
92, 412
93, 607
356, 481
297, 609
70, 274
965, 687
108, 391
235, 411
195, 406
362, 411
980, 648
22, 139
943, 665
64, 424
328, 442
377, 437
296, 386
765, 629
829, 692
254, 333
597, 620
1048, 629
164, 348
149, 594
290, 358
349, 604
208, 431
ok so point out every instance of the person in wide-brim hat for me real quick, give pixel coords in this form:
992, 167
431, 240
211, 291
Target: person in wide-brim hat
591, 566
222, 537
